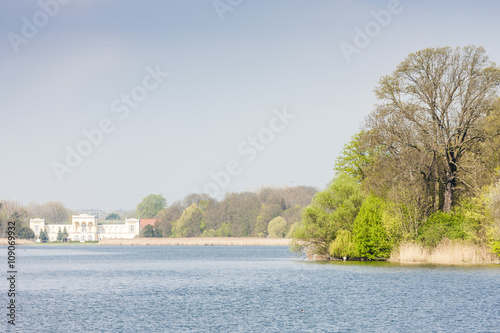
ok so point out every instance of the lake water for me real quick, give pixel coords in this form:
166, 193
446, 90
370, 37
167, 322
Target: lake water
241, 289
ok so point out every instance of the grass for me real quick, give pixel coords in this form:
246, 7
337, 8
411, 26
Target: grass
238, 241
452, 252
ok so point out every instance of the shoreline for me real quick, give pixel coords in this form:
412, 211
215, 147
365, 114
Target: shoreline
184, 241
200, 241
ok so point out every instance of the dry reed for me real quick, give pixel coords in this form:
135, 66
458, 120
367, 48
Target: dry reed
5, 241
452, 252
238, 241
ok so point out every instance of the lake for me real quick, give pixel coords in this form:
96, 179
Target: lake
241, 289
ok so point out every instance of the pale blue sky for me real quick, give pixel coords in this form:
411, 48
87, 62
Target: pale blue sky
225, 79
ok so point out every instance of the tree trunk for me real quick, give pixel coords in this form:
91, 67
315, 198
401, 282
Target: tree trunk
448, 193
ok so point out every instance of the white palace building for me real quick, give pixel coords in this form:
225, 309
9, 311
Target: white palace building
85, 227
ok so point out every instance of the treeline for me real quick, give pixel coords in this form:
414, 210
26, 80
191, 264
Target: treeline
273, 212
13, 211
424, 167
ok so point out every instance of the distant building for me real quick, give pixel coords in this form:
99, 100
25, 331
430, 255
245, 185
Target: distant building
85, 227
145, 222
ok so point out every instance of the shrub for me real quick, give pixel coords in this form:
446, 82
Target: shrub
277, 227
370, 236
442, 225
343, 246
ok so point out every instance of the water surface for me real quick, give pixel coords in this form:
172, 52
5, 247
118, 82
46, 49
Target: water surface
242, 289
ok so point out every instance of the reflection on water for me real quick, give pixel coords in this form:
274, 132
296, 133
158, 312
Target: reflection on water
242, 289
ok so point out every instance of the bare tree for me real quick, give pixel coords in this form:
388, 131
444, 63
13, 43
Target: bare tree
435, 104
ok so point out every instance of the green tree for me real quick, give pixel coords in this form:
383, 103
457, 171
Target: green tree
277, 227
343, 246
331, 210
44, 236
65, 235
25, 232
355, 157
189, 224
150, 206
148, 231
266, 213
292, 230
369, 235
59, 235
113, 216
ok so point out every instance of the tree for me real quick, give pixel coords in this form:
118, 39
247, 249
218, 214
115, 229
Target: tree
266, 213
167, 217
44, 236
11, 211
113, 216
355, 157
148, 231
369, 235
343, 245
51, 211
189, 224
433, 107
25, 232
331, 210
65, 235
277, 227
150, 206
59, 235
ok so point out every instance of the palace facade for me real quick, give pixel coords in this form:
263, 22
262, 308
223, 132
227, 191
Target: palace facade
85, 227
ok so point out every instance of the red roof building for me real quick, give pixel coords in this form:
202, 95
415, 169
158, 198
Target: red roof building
145, 222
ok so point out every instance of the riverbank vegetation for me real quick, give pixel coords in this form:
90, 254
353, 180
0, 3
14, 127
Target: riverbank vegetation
420, 180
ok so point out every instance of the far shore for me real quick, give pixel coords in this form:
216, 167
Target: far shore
201, 241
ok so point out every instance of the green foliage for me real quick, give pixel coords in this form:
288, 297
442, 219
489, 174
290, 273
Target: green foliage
25, 232
189, 224
442, 225
150, 206
113, 216
493, 228
150, 231
277, 227
65, 235
292, 230
267, 213
330, 211
370, 237
59, 235
44, 236
343, 245
354, 158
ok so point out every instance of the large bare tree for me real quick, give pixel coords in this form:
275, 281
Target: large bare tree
435, 104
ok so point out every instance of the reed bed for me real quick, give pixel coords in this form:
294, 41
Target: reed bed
5, 241
450, 252
201, 241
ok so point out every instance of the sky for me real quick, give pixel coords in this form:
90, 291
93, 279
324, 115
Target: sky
105, 102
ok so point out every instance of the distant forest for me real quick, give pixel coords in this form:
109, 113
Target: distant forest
273, 212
